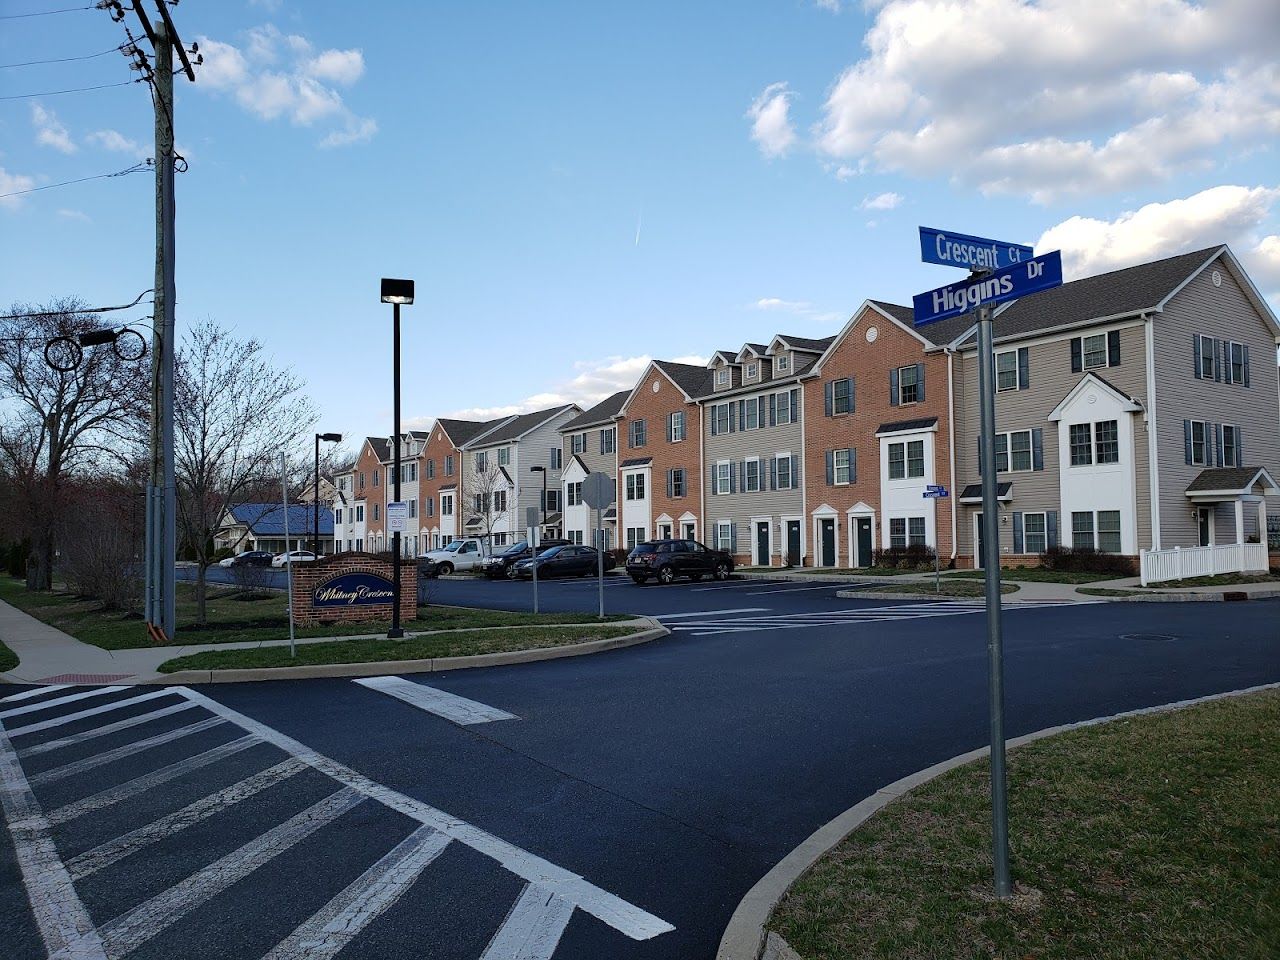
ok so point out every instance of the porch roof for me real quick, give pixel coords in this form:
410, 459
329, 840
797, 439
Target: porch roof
1231, 482
973, 492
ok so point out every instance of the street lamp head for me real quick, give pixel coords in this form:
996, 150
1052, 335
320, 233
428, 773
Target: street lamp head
397, 291
330, 437
537, 469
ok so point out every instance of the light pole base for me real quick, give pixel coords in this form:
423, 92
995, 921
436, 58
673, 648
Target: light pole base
395, 633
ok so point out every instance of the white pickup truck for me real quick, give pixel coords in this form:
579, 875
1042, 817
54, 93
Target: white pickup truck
465, 554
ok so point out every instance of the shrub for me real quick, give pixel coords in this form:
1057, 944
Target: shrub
1086, 560
15, 558
916, 556
221, 554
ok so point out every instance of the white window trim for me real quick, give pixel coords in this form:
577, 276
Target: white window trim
757, 487
1017, 379
784, 455
716, 477
835, 467
1031, 450
1204, 443
724, 538
1084, 352
1044, 519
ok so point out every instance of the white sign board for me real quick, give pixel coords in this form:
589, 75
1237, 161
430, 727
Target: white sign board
397, 516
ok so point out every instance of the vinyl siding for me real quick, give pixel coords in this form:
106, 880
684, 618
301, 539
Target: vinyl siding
597, 462
1226, 313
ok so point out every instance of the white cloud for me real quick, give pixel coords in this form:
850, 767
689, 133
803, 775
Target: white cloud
50, 131
771, 126
882, 201
831, 6
776, 303
1056, 97
118, 142
13, 183
1225, 214
280, 75
74, 215
1264, 266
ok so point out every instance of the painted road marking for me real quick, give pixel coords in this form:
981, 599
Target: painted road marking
59, 912
735, 586
37, 692
824, 586
533, 928
128, 750
904, 611
59, 701
452, 707
131, 788
624, 917
364, 900
710, 613
83, 714
119, 725
122, 846
135, 927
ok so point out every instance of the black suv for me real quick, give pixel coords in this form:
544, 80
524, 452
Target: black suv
500, 565
667, 559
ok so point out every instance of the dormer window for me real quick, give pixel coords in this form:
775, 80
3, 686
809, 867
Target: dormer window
753, 370
781, 363
722, 376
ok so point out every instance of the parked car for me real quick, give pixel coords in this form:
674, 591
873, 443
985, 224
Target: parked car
664, 560
294, 556
503, 564
565, 561
250, 558
465, 554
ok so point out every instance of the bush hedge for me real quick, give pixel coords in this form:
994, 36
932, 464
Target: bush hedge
914, 557
1086, 560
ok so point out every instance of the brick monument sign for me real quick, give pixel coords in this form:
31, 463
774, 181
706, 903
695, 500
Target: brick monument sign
352, 587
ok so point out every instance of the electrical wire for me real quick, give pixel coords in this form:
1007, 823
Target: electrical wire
54, 93
90, 56
138, 167
42, 13
58, 313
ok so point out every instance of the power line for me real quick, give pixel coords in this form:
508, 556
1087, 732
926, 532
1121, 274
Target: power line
42, 13
136, 168
58, 313
89, 56
54, 93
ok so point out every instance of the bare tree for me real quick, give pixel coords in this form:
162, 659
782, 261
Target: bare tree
56, 422
487, 494
234, 413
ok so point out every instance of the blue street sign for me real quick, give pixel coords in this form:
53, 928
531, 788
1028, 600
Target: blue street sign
970, 253
936, 488
1029, 276
935, 494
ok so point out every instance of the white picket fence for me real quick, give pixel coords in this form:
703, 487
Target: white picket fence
1181, 563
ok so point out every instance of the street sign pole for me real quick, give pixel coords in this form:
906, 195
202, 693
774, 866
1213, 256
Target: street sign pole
991, 578
600, 555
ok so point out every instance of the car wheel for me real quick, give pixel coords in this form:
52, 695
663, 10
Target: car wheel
444, 569
639, 580
666, 576
722, 571
511, 573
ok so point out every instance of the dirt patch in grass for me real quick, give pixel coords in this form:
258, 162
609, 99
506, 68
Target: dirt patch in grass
1152, 837
462, 643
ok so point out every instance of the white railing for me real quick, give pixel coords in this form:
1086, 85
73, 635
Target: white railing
1180, 563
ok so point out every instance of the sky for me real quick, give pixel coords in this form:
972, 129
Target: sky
579, 187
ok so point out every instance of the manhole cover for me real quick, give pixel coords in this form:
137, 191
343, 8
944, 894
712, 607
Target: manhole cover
1150, 637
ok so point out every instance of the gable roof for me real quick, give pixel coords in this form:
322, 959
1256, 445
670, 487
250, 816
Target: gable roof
1127, 402
462, 432
513, 428
692, 380
807, 344
1235, 480
603, 412
381, 447
267, 519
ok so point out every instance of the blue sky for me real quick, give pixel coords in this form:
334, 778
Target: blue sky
576, 187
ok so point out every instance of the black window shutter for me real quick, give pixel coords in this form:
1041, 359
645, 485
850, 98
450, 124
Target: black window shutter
733, 419
1024, 368
1246, 364
852, 405
795, 406
920, 382
1037, 449
831, 465
773, 474
733, 476
1051, 528
1017, 532
1217, 443
1077, 357
893, 387
742, 414
828, 390
1217, 360
795, 472
670, 425
1113, 348
773, 409
1195, 354
669, 482
853, 465
1239, 447
1186, 438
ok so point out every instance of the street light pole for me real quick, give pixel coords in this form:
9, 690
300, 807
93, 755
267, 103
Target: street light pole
396, 292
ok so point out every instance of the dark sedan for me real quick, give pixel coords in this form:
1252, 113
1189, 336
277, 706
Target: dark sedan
502, 565
252, 558
566, 561
665, 560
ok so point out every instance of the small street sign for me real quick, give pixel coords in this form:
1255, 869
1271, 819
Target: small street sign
970, 253
397, 516
1029, 276
936, 493
532, 515
598, 490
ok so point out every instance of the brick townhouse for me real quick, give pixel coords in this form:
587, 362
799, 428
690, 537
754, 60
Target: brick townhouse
589, 444
877, 432
659, 444
440, 464
369, 492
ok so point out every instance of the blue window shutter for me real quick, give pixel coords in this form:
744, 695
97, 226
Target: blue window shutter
831, 465
853, 465
1113, 348
852, 405
1195, 353
920, 382
733, 476
1077, 355
773, 409
1051, 528
1239, 447
733, 419
1217, 442
828, 398
893, 387
1186, 438
1037, 449
773, 474
1024, 368
1246, 364
1017, 532
1217, 360
795, 472
742, 414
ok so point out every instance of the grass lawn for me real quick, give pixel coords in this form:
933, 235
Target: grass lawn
8, 659
232, 618
1038, 575
1221, 580
961, 588
1153, 837
461, 644
1113, 592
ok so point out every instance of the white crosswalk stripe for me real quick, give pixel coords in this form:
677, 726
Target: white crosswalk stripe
59, 701
32, 694
126, 750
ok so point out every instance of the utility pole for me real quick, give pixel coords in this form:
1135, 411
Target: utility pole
161, 528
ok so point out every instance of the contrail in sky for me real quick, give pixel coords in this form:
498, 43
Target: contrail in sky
639, 223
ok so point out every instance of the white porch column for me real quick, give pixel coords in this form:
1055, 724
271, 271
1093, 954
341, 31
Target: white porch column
1239, 521
1262, 521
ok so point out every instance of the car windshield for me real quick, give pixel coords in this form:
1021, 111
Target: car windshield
645, 548
550, 552
454, 547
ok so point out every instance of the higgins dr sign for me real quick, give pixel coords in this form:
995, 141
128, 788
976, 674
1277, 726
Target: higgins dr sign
353, 589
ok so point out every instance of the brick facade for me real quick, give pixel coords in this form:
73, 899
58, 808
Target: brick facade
366, 464
436, 450
308, 576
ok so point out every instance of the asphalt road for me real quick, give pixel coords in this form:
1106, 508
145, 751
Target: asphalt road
668, 777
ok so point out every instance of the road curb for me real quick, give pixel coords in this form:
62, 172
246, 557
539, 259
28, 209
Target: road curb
654, 631
745, 936
890, 595
1217, 597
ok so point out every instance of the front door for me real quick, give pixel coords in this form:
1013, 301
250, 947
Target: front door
864, 541
762, 543
689, 530
664, 531
793, 542
1204, 517
827, 530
